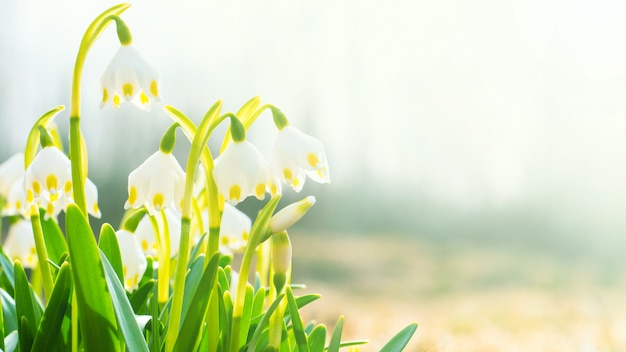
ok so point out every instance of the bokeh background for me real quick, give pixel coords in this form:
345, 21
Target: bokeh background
477, 149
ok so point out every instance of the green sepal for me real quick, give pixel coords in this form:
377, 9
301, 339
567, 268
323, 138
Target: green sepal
237, 130
317, 339
123, 32
50, 329
109, 245
280, 120
399, 341
45, 138
95, 308
335, 340
168, 141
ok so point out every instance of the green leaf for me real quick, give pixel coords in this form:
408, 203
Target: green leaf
139, 298
246, 315
317, 339
306, 299
259, 300
399, 341
191, 328
28, 314
262, 324
7, 273
111, 248
335, 340
49, 332
191, 282
95, 308
11, 341
296, 322
123, 311
53, 237
8, 312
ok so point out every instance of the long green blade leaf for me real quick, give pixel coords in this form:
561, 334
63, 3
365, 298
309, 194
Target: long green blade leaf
49, 331
335, 340
317, 339
95, 308
399, 341
123, 311
53, 237
110, 247
25, 308
296, 322
261, 326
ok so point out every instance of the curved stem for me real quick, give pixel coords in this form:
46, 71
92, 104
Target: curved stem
42, 254
76, 151
164, 280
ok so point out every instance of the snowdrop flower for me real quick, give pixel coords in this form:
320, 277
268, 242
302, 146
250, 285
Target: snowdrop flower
47, 179
91, 195
133, 260
240, 171
20, 244
146, 236
297, 155
290, 214
16, 200
157, 183
234, 230
131, 77
10, 171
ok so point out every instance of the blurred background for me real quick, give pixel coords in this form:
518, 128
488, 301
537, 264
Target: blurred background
476, 148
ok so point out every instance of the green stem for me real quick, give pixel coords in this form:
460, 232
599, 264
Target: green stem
74, 322
42, 254
164, 280
76, 151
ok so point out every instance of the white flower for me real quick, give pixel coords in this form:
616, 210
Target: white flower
91, 196
146, 236
10, 170
131, 77
157, 183
48, 179
290, 214
16, 200
133, 260
20, 244
297, 155
241, 171
234, 229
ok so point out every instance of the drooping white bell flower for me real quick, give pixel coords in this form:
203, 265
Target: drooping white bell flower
20, 244
134, 262
91, 196
159, 182
131, 77
146, 236
240, 171
11, 170
234, 230
297, 155
16, 200
48, 179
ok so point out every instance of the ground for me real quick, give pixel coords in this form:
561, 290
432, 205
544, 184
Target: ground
465, 297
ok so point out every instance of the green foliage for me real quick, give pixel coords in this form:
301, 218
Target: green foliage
202, 304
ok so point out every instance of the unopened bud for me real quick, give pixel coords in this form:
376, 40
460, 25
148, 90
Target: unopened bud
281, 259
290, 214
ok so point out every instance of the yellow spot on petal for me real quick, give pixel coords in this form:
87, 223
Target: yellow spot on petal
273, 188
157, 200
127, 89
288, 174
33, 250
125, 270
50, 209
225, 240
68, 187
245, 235
18, 204
36, 187
132, 195
144, 245
96, 208
52, 183
116, 101
235, 192
143, 98
54, 196
154, 89
105, 95
312, 159
260, 190
29, 196
296, 182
